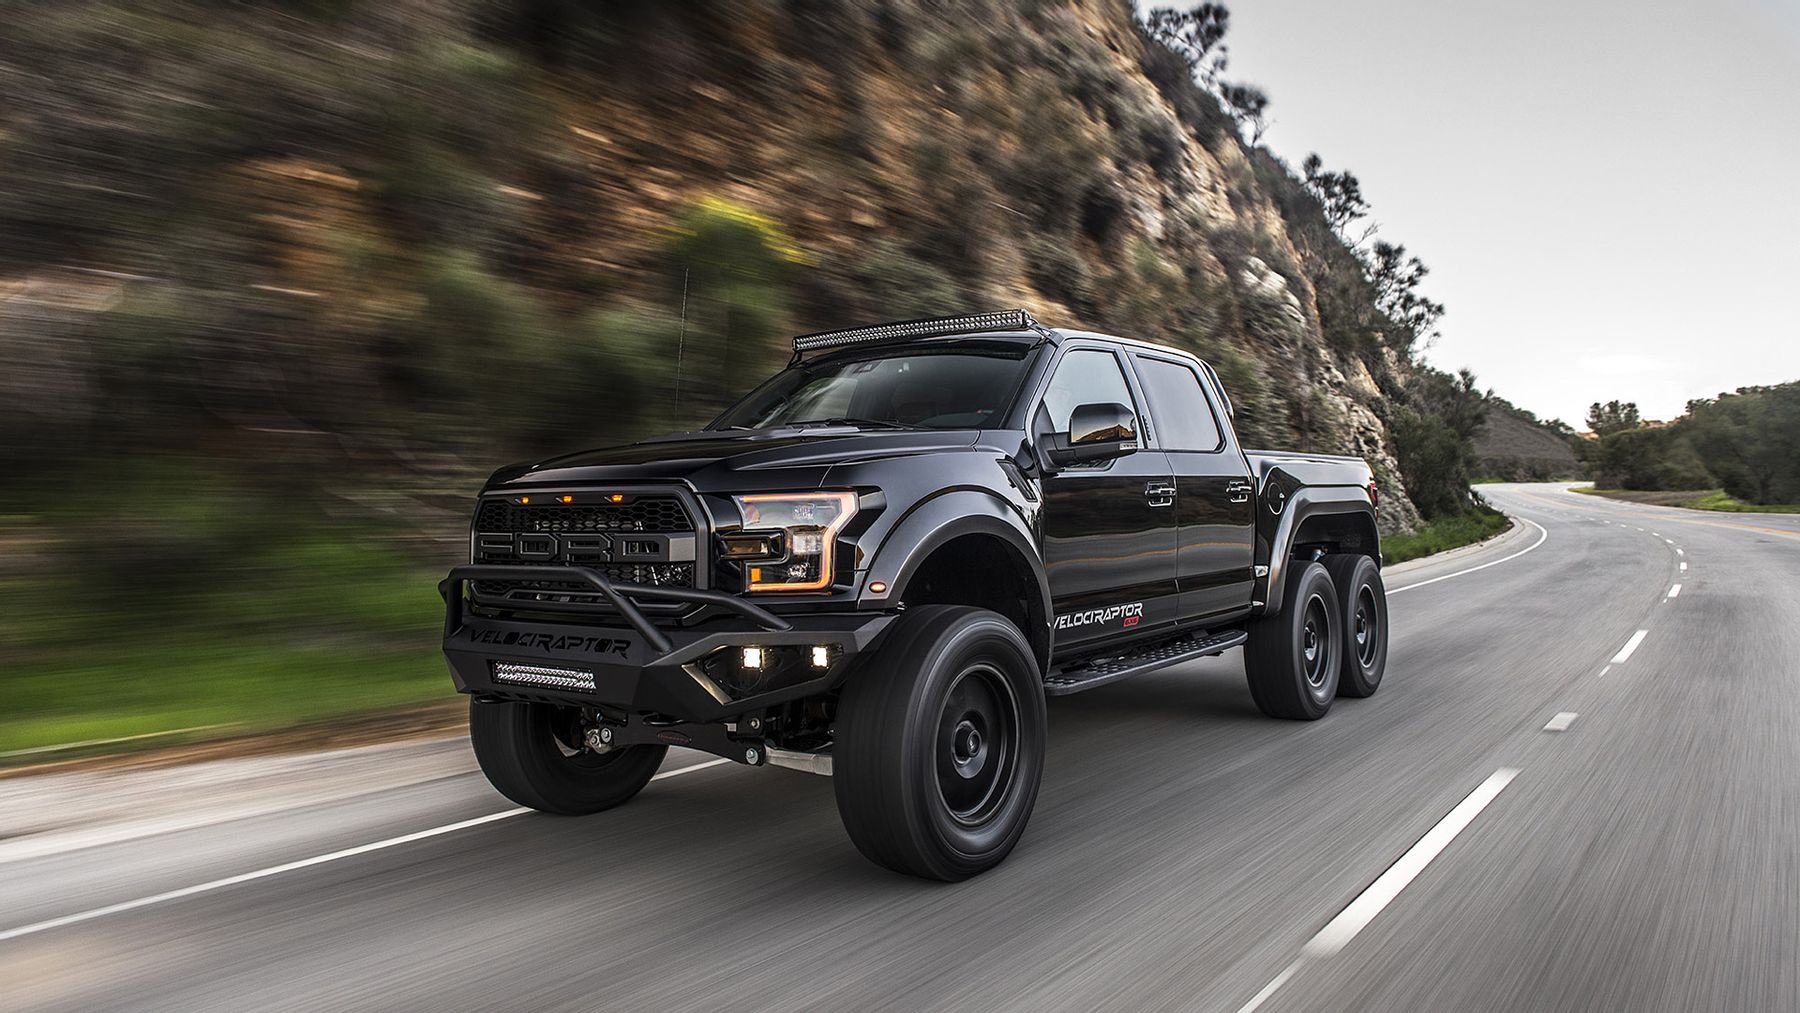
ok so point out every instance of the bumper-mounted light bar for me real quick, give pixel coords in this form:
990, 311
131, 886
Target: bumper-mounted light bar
543, 675
972, 323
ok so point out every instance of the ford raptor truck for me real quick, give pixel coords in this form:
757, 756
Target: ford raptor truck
880, 563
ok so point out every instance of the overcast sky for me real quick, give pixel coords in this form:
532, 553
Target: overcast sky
1607, 193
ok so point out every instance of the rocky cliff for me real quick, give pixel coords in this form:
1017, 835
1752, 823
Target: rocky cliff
448, 231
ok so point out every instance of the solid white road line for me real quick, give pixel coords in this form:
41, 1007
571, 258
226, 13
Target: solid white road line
1674, 589
1631, 645
1542, 535
1279, 980
304, 863
1561, 722
1370, 902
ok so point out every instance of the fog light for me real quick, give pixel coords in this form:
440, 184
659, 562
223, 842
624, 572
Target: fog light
821, 656
753, 657
541, 675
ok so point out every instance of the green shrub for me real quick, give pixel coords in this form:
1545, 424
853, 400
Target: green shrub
1649, 459
1443, 534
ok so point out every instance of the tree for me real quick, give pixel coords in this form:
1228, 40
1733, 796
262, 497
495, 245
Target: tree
1434, 440
1396, 278
1340, 195
1249, 106
1612, 417
1196, 35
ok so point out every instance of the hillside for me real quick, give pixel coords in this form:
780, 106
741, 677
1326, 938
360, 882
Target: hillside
1514, 446
358, 238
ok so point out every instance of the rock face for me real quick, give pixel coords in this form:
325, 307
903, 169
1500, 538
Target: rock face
396, 205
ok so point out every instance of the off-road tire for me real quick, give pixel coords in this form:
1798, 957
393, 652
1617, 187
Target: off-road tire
1293, 658
940, 744
1363, 618
530, 753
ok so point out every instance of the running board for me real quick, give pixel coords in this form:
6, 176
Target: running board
1064, 681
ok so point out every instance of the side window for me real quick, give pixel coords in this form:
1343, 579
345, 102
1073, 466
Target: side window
1178, 406
1085, 376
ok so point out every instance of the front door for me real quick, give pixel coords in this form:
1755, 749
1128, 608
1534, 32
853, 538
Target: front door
1109, 527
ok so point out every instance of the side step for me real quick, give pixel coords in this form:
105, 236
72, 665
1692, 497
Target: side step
1088, 675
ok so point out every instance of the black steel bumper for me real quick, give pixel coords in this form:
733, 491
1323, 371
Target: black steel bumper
639, 666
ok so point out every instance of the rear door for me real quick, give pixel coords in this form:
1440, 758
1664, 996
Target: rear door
1109, 527
1214, 505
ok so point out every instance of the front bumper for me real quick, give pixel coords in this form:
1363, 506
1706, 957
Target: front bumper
637, 666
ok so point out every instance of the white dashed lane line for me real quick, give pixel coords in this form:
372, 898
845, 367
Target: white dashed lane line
1561, 722
1674, 589
1631, 645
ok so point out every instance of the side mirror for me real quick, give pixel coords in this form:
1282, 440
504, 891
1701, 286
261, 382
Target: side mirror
1097, 432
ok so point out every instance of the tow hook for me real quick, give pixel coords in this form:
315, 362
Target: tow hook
599, 739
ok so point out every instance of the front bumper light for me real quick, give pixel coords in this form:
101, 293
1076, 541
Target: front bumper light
789, 540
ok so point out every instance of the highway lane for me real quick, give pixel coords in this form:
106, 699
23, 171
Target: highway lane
1186, 852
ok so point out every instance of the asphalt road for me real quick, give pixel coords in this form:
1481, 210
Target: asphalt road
1431, 848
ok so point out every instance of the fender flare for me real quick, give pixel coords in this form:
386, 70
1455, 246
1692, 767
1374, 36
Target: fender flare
1305, 504
951, 515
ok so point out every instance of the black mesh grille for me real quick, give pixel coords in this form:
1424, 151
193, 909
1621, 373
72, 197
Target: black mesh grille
652, 514
644, 513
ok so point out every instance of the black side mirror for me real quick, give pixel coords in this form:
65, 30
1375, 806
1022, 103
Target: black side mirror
1097, 432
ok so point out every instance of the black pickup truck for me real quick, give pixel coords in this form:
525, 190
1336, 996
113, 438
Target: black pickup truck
879, 564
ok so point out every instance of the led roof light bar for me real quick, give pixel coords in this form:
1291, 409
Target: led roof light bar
972, 323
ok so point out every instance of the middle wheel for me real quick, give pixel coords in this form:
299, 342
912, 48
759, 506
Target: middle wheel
940, 744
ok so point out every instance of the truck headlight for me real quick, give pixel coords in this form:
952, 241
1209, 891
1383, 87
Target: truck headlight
789, 539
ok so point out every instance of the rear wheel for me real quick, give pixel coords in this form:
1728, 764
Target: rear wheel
1363, 617
533, 754
940, 744
1293, 658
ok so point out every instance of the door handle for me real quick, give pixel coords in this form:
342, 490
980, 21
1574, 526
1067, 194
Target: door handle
1160, 494
1239, 492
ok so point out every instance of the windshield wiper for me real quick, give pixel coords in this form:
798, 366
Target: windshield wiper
850, 420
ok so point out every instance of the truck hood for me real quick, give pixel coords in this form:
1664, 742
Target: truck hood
726, 462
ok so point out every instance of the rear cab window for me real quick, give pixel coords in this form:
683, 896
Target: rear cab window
1181, 414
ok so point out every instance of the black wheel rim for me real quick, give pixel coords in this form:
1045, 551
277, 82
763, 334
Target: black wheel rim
1367, 628
977, 745
1315, 642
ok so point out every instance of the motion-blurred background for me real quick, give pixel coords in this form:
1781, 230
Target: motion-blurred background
280, 283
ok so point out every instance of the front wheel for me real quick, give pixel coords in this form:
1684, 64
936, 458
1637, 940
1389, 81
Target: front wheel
1293, 658
533, 754
940, 744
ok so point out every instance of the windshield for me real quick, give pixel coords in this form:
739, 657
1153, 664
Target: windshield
907, 389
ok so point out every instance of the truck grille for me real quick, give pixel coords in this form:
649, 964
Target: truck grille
647, 538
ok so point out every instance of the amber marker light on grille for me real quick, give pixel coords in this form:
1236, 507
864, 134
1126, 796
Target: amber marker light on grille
617, 497
568, 499
524, 500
